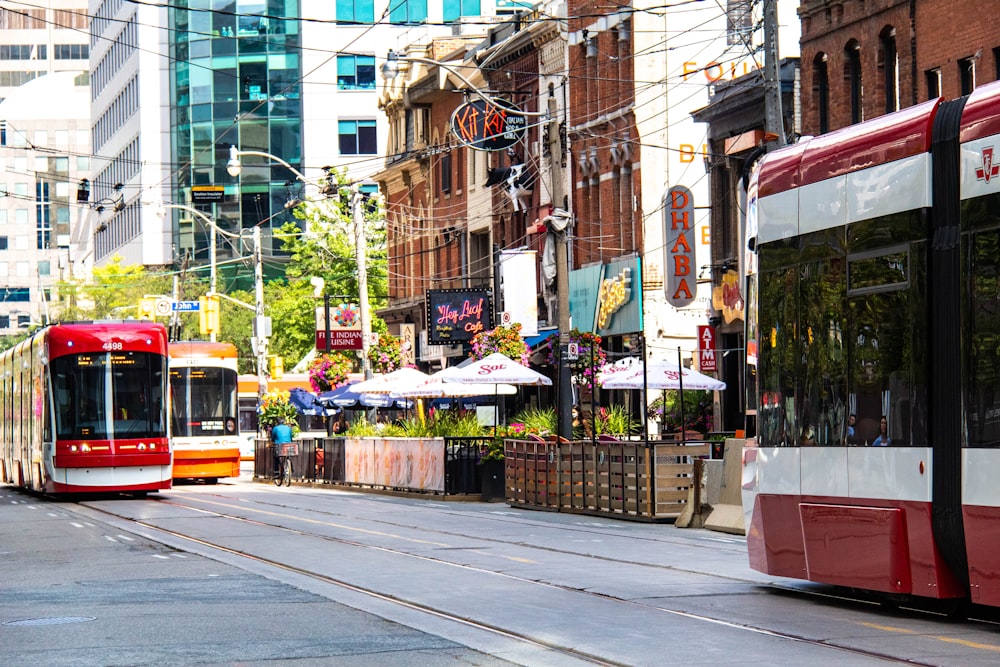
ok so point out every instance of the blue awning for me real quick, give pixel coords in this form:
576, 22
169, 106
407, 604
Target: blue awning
540, 337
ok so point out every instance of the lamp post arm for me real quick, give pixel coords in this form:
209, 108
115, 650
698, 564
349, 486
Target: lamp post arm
454, 70
275, 158
248, 306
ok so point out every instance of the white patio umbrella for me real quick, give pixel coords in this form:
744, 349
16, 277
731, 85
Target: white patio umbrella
497, 368
398, 380
437, 388
661, 375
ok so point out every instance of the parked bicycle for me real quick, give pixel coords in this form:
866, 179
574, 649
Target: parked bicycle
283, 471
281, 438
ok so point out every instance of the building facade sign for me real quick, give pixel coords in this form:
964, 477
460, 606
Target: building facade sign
344, 329
456, 316
679, 260
486, 126
607, 299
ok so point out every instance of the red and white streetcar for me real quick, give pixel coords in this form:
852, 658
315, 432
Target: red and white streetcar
875, 321
84, 409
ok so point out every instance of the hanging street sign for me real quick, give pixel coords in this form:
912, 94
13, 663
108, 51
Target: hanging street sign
706, 349
185, 306
487, 126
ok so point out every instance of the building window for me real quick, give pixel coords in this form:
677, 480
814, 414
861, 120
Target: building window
3, 242
356, 72
821, 88
4, 321
408, 11
14, 294
852, 72
933, 77
454, 9
71, 51
967, 74
357, 137
890, 69
355, 11
445, 173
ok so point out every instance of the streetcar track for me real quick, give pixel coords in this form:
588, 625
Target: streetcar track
492, 540
467, 621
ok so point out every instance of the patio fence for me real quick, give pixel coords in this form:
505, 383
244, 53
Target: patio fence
322, 460
644, 480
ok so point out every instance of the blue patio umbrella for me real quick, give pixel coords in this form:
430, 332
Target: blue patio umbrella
345, 397
307, 403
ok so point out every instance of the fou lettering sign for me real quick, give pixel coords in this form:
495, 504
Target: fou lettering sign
678, 249
612, 295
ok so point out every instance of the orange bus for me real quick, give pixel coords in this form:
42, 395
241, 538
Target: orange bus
204, 410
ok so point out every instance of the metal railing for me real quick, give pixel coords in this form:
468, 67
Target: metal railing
322, 461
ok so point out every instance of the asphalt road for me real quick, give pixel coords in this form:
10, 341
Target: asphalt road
250, 574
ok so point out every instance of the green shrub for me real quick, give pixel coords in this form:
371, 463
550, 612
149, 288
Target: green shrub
616, 420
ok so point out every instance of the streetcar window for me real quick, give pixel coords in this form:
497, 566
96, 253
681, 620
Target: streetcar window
203, 399
108, 395
982, 404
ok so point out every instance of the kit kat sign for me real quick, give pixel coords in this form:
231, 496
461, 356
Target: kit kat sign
486, 126
678, 249
456, 316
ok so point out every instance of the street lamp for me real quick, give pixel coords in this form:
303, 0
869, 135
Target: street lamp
327, 187
391, 69
215, 229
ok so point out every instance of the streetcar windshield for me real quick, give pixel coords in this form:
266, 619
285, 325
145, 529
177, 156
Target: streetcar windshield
109, 395
203, 401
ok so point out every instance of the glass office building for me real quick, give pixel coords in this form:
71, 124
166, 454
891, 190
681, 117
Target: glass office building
235, 80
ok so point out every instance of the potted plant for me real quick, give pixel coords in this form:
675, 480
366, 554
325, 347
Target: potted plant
387, 354
276, 408
329, 371
503, 339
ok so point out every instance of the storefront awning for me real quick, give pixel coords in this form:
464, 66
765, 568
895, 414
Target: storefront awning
540, 337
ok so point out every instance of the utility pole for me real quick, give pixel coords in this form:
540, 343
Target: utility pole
262, 324
361, 250
560, 224
774, 124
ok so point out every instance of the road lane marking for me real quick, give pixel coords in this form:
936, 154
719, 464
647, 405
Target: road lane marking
940, 638
363, 531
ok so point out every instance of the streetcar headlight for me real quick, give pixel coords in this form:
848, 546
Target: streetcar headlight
84, 447
72, 448
142, 447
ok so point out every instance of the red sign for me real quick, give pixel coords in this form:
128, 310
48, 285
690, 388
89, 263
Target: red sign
340, 339
679, 247
706, 349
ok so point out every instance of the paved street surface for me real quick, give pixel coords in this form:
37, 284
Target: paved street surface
250, 574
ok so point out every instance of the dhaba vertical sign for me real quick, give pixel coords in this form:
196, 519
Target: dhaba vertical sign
679, 261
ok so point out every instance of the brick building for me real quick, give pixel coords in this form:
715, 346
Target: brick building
862, 59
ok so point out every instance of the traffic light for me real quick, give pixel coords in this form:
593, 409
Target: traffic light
208, 314
147, 309
277, 367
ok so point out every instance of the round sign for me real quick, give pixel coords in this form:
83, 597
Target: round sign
493, 125
163, 306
